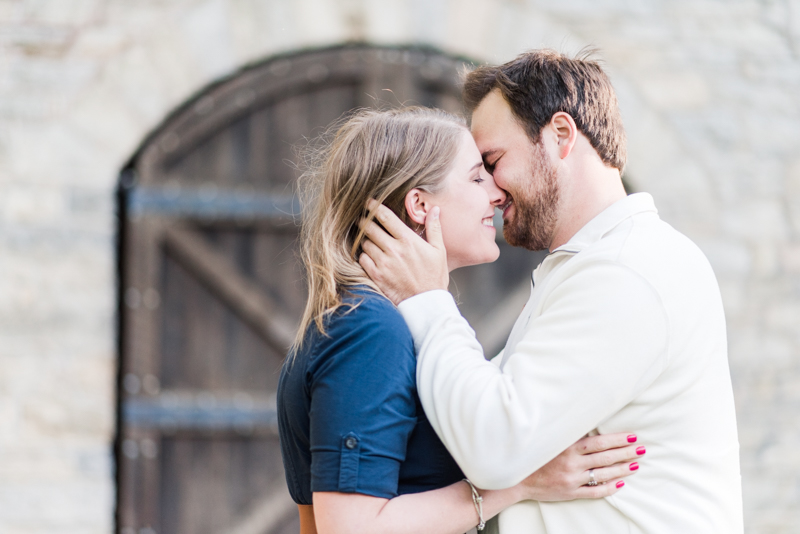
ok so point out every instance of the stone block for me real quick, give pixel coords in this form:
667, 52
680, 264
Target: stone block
99, 43
766, 264
10, 12
105, 118
34, 40
387, 22
205, 27
790, 256
54, 153
84, 507
728, 257
734, 297
756, 219
676, 90
259, 29
57, 13
783, 316
319, 22
31, 204
471, 28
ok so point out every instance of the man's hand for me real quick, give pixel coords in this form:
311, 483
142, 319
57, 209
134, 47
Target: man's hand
401, 262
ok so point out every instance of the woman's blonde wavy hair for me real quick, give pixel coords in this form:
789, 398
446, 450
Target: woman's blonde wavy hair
372, 154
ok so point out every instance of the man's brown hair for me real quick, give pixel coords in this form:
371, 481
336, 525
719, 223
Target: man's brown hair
540, 83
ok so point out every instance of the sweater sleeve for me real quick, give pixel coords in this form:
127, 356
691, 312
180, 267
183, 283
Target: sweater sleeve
600, 339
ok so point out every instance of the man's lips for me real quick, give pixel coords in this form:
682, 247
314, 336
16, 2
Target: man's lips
504, 207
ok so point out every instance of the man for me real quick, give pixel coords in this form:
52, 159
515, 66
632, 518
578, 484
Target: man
624, 328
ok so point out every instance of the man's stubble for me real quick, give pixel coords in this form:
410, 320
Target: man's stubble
535, 204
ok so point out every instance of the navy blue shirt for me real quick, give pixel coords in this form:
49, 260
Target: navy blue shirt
349, 415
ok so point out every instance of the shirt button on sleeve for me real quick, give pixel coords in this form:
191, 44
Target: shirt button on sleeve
350, 442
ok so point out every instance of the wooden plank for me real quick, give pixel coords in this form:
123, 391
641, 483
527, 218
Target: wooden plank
141, 360
268, 513
247, 362
243, 296
201, 411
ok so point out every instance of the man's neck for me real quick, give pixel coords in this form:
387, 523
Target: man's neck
583, 198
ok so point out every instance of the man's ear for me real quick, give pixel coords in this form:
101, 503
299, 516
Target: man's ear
566, 133
416, 206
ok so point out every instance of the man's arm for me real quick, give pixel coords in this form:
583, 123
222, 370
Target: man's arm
600, 340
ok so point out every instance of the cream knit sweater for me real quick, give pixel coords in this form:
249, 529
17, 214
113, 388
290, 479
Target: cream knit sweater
624, 331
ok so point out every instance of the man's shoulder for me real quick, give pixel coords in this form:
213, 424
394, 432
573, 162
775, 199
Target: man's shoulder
646, 241
650, 249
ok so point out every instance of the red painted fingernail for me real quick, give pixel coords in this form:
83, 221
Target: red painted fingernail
640, 451
632, 438
634, 466
620, 484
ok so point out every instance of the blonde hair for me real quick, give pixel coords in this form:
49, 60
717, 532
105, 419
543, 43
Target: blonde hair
373, 154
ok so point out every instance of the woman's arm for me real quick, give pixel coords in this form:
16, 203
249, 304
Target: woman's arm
307, 523
451, 510
448, 510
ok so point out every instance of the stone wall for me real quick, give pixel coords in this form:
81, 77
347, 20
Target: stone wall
709, 91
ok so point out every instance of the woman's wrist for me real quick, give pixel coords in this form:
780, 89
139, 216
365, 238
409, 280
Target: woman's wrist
477, 501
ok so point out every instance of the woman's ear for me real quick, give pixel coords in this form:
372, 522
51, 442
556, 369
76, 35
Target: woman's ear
416, 206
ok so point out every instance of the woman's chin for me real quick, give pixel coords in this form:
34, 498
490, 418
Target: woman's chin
489, 257
495, 254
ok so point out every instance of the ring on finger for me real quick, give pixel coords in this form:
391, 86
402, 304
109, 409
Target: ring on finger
592, 480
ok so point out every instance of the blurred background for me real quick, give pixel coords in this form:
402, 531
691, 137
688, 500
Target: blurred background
148, 281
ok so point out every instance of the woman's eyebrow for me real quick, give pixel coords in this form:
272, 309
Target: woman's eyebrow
476, 166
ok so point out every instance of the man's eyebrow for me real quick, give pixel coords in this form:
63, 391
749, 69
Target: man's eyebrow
485, 155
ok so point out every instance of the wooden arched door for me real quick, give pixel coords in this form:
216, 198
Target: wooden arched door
210, 286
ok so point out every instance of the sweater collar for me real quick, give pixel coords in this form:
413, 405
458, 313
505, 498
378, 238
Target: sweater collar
607, 220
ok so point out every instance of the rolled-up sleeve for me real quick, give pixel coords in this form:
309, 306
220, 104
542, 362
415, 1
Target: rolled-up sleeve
362, 404
600, 339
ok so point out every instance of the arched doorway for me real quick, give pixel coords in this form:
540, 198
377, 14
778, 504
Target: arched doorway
211, 289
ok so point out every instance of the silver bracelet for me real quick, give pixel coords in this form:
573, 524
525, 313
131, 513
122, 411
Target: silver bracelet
477, 500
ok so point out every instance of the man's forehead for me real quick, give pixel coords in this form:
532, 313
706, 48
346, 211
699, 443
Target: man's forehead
491, 114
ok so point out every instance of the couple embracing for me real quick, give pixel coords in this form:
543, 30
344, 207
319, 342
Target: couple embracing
391, 418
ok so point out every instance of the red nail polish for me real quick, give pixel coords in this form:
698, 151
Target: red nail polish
620, 484
640, 451
634, 466
632, 438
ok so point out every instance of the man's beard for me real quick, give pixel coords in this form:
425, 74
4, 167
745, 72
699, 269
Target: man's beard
535, 205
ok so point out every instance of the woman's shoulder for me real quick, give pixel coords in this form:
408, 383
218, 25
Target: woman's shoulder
367, 326
361, 306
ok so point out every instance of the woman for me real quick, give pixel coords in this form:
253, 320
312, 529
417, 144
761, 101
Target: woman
359, 452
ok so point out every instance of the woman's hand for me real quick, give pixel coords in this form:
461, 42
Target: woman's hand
611, 457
